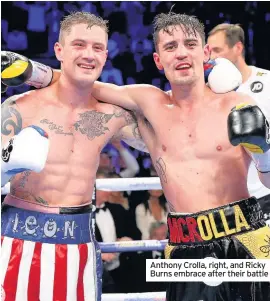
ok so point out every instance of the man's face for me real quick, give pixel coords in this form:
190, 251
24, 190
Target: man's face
220, 48
83, 53
181, 56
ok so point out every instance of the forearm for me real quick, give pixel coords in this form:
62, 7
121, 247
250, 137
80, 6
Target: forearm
130, 162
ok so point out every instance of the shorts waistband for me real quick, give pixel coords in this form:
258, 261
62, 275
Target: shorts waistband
46, 227
209, 225
14, 201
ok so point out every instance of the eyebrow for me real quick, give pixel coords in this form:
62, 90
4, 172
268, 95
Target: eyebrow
173, 42
84, 41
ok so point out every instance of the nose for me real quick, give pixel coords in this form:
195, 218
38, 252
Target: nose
181, 52
88, 54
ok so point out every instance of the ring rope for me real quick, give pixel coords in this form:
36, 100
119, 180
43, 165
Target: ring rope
154, 296
122, 184
133, 246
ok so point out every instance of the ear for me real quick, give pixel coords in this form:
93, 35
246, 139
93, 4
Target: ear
157, 61
58, 49
238, 48
207, 53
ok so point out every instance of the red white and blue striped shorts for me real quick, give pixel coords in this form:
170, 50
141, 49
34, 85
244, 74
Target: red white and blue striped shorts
49, 257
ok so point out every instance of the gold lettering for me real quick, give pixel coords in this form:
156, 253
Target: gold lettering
240, 220
214, 228
209, 234
225, 224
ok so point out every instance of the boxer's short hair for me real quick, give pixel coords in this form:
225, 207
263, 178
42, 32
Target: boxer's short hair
81, 18
234, 33
189, 24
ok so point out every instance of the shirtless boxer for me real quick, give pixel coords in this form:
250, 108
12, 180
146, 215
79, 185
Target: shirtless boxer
228, 41
186, 134
48, 248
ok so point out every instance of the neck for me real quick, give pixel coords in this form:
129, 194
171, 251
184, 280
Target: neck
244, 69
69, 93
188, 96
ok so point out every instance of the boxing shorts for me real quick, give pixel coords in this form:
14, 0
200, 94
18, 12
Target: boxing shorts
233, 231
265, 205
49, 257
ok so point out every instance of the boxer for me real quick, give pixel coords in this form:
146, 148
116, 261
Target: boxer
202, 144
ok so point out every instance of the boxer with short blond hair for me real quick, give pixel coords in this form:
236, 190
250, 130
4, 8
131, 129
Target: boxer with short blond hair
52, 141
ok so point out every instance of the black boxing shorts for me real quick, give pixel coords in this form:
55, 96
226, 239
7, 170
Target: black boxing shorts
233, 231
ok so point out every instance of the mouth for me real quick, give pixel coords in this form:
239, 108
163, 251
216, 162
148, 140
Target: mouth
87, 66
183, 66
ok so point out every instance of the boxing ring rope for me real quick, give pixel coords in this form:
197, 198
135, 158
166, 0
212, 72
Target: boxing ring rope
133, 246
122, 184
130, 184
155, 296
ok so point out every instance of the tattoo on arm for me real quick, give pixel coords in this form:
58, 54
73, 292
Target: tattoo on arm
11, 118
127, 115
136, 132
161, 169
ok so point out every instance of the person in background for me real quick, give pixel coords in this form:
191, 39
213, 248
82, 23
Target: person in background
153, 210
228, 41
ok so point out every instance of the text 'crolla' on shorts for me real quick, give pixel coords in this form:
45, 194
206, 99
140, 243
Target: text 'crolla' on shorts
48, 257
233, 231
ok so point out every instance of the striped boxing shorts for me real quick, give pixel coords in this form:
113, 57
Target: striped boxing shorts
49, 257
233, 231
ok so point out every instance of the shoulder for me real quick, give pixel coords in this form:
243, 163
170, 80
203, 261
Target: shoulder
233, 99
149, 93
25, 99
259, 76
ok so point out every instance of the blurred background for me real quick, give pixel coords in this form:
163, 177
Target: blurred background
31, 28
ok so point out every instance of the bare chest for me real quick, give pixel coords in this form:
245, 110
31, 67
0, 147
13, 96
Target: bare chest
79, 135
200, 136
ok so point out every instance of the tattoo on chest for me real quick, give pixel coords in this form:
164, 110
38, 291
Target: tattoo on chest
161, 169
92, 123
11, 118
58, 129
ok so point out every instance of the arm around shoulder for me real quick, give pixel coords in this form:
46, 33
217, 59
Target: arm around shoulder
131, 97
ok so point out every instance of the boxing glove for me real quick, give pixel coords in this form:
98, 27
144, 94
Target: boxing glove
16, 70
247, 126
221, 75
26, 151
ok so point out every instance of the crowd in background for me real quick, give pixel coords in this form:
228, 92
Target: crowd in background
31, 28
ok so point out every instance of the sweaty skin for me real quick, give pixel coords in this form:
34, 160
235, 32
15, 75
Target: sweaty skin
198, 167
77, 124
185, 130
77, 135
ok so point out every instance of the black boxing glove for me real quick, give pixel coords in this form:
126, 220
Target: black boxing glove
247, 126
